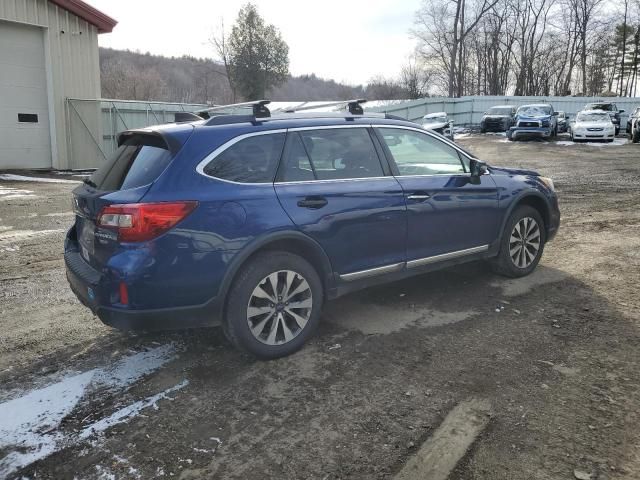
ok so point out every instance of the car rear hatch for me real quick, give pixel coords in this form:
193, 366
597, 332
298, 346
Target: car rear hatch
125, 178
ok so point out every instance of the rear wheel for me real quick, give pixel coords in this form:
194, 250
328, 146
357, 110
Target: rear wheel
522, 243
636, 134
274, 305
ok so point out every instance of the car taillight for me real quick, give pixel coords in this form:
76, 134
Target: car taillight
139, 222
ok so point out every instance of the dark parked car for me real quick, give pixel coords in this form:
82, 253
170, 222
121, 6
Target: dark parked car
610, 108
254, 221
498, 119
538, 120
635, 114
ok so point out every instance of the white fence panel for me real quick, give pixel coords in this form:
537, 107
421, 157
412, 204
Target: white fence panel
467, 111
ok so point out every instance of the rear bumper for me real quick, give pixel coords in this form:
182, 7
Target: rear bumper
92, 287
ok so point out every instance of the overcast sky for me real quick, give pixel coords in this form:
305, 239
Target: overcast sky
347, 40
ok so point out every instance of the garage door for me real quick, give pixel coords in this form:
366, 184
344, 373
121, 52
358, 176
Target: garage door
25, 140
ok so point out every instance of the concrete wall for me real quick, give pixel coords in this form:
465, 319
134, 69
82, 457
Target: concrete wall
73, 69
469, 110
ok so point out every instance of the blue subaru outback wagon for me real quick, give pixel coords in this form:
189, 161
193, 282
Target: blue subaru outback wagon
254, 221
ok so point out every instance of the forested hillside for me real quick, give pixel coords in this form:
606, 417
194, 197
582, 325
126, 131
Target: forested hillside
136, 76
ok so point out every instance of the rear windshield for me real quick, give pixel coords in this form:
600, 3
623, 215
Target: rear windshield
138, 161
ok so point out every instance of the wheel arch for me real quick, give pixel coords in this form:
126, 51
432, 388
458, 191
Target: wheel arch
533, 199
288, 241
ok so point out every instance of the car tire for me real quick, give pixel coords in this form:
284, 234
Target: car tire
253, 301
518, 255
636, 135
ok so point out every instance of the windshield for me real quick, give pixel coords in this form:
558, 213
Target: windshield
593, 117
434, 120
534, 110
605, 107
499, 111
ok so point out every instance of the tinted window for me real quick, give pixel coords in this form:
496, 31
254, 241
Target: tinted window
607, 107
138, 161
297, 166
341, 153
251, 160
499, 111
420, 154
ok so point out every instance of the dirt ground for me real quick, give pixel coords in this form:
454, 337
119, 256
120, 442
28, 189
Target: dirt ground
555, 355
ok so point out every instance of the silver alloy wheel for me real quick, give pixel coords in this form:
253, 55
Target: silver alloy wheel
524, 243
279, 307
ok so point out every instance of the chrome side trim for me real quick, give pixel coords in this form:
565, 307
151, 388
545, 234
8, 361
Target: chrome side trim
328, 127
446, 256
350, 277
334, 180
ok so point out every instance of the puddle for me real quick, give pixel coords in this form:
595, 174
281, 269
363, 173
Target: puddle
30, 421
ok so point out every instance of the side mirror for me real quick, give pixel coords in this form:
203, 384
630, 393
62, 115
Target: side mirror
477, 168
621, 111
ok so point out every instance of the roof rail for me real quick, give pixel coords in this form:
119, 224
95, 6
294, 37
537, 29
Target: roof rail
259, 108
353, 106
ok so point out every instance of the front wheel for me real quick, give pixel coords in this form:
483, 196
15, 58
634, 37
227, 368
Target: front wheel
636, 135
274, 305
522, 243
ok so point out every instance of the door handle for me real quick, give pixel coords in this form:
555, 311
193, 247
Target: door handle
313, 202
421, 197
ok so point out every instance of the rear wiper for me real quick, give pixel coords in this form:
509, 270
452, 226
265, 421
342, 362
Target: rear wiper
89, 182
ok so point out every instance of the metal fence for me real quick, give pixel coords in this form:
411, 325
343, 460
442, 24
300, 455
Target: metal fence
94, 124
467, 111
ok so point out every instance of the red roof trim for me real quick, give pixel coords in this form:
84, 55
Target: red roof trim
85, 11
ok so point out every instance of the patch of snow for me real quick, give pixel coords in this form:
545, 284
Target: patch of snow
29, 423
59, 214
462, 135
616, 142
21, 178
7, 193
18, 235
126, 413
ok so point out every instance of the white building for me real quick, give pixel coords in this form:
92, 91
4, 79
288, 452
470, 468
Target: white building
48, 52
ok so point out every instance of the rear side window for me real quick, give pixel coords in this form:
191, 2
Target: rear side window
331, 154
138, 161
251, 160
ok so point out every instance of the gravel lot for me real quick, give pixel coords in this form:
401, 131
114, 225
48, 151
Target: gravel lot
554, 358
